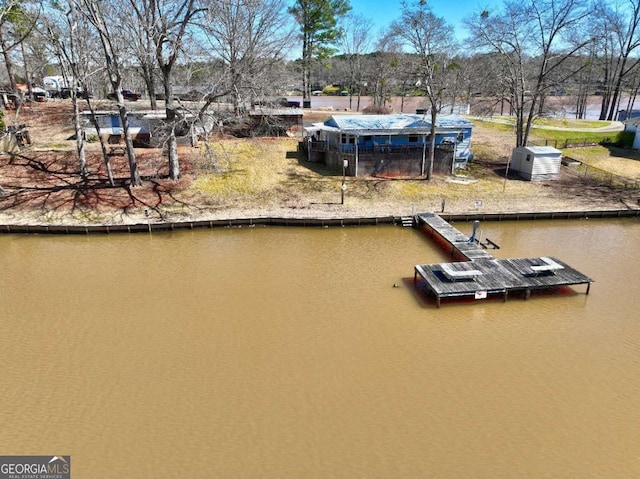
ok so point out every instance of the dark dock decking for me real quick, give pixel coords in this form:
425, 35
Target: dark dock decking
451, 239
479, 275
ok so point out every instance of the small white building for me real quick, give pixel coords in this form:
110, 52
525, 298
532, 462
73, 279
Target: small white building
631, 125
145, 126
536, 163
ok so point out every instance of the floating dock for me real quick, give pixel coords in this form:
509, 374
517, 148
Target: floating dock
478, 275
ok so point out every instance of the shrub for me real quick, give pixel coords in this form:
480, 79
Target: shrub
625, 139
376, 110
331, 90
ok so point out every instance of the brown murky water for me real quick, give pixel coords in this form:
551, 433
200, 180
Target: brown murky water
287, 353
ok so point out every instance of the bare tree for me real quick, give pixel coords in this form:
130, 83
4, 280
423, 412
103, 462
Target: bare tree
73, 42
431, 39
7, 13
37, 52
532, 41
66, 42
168, 23
633, 85
586, 80
250, 37
16, 24
380, 70
356, 41
618, 39
138, 30
93, 11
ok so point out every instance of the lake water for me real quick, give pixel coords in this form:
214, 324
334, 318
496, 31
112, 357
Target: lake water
287, 353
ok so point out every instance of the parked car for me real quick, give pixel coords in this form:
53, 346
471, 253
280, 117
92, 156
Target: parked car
66, 93
127, 94
40, 96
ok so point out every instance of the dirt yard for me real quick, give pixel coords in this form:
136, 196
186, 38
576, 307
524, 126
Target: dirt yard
258, 178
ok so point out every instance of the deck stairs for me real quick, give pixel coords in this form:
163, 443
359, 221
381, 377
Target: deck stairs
408, 221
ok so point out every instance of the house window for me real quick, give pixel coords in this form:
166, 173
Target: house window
413, 138
528, 157
343, 138
367, 138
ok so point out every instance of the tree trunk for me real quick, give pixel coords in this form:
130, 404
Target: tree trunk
170, 124
236, 79
306, 68
27, 73
8, 61
616, 94
124, 121
103, 148
150, 82
432, 140
82, 157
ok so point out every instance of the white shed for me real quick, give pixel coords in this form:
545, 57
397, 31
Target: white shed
632, 126
536, 163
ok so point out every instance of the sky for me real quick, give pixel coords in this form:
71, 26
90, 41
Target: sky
383, 12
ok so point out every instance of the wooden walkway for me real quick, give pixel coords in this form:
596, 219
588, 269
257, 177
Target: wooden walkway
452, 240
479, 275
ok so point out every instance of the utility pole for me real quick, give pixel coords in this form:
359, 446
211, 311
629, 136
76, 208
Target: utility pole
345, 164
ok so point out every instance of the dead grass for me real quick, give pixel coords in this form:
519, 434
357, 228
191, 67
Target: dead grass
618, 161
264, 177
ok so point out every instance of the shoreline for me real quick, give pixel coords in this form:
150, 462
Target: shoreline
293, 221
269, 184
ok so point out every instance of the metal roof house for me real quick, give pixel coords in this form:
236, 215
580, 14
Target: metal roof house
536, 163
389, 145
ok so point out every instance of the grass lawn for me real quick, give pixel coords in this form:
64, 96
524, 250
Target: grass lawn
618, 161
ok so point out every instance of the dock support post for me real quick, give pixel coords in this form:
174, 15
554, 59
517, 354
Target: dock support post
527, 294
588, 288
